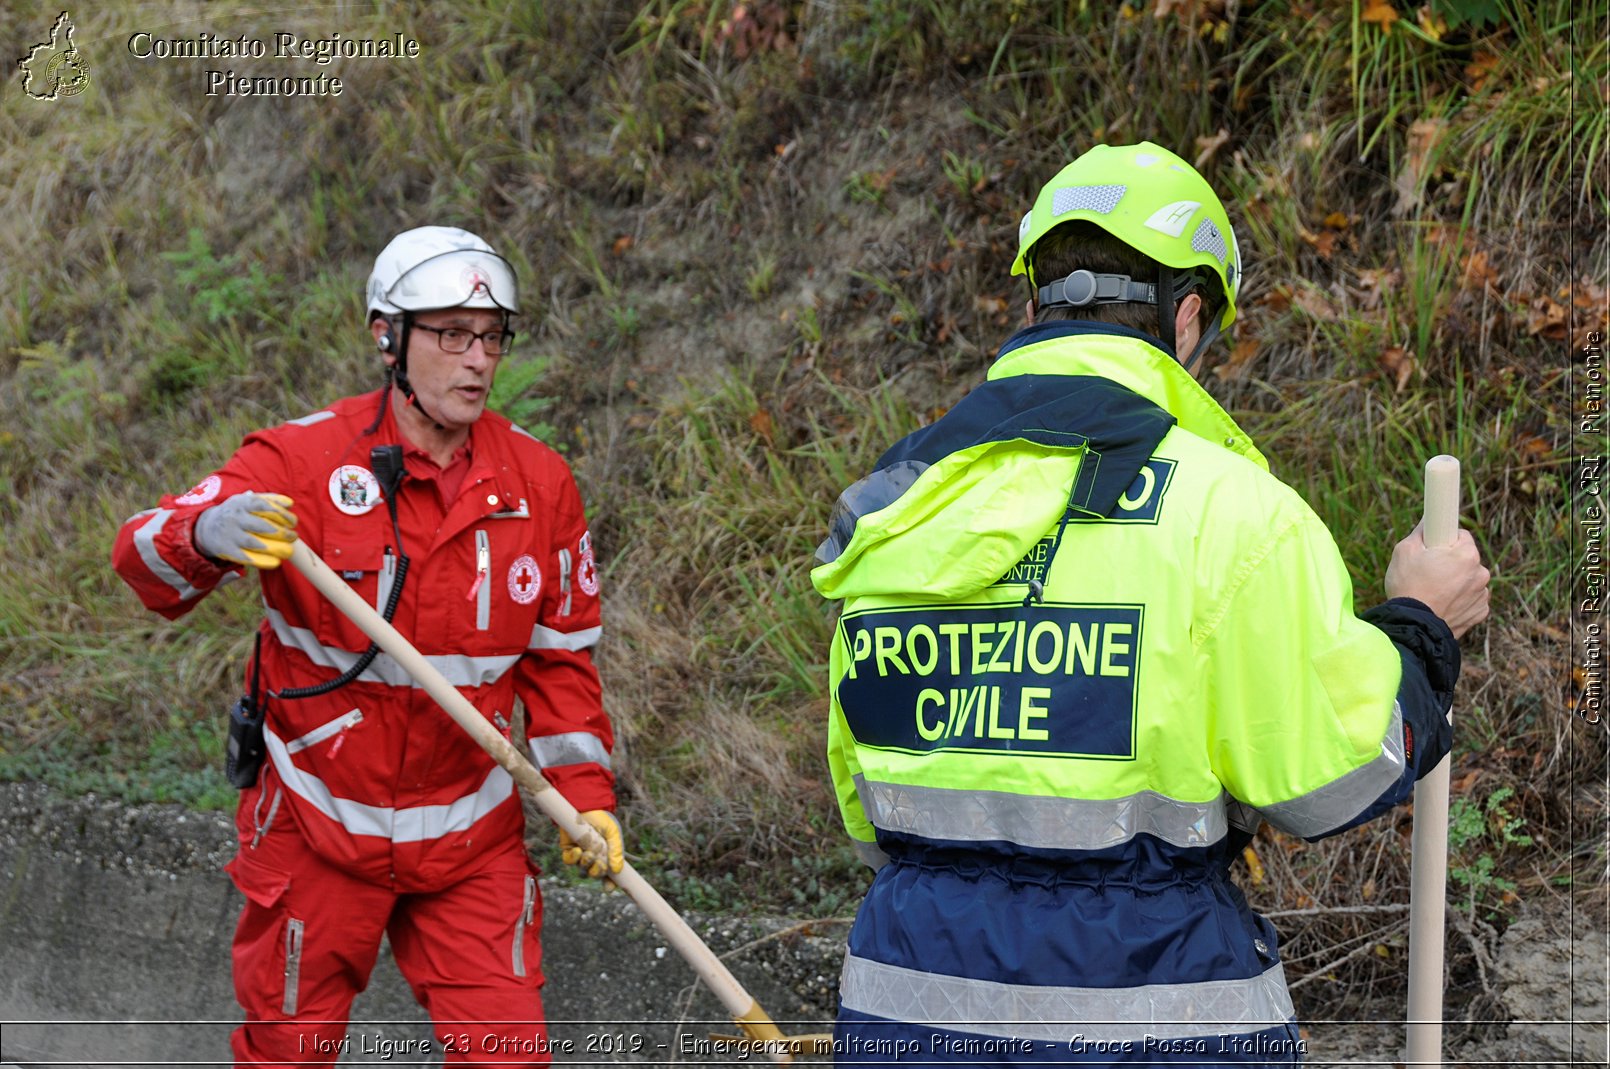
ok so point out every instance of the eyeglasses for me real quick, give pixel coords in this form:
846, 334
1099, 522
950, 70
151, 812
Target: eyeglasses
457, 340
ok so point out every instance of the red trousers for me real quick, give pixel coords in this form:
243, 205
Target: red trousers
309, 935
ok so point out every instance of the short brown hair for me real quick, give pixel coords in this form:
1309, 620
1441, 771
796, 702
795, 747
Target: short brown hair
1080, 244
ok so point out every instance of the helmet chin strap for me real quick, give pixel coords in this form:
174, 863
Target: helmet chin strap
1209, 336
1166, 280
399, 373
1165, 305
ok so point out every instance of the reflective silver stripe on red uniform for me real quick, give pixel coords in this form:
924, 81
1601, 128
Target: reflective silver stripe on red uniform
459, 670
410, 824
1045, 822
546, 638
1210, 1008
145, 544
568, 748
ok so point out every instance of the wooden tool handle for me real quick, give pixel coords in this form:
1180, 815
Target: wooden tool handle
1428, 870
743, 1008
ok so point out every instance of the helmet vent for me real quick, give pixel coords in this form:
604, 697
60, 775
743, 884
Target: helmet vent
1208, 239
1097, 199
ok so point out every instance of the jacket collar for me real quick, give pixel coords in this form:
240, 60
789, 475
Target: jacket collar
1131, 359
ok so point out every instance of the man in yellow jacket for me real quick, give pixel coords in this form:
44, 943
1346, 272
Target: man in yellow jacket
1088, 643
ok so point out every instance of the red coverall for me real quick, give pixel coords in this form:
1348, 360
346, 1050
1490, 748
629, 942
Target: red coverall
374, 812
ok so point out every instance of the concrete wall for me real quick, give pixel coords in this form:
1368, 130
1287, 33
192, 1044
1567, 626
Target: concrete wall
115, 924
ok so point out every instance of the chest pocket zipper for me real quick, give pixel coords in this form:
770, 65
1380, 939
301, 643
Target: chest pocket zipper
527, 912
481, 591
338, 726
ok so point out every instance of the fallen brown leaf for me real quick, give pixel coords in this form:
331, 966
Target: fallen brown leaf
1532, 447
1477, 273
1240, 357
1277, 299
1424, 136
1398, 363
1373, 283
1323, 243
1480, 68
1315, 303
1207, 147
1433, 25
1380, 13
1546, 317
1254, 865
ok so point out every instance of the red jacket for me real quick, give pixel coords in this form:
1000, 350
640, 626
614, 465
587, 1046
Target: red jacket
501, 595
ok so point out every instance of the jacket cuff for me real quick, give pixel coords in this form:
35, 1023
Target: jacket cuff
585, 786
1430, 656
202, 571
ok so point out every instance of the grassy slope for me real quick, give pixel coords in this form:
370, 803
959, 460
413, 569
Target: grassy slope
759, 245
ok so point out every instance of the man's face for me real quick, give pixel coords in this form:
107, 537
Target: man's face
452, 387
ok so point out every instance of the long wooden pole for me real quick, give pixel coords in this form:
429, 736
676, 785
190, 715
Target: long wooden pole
1428, 873
745, 1011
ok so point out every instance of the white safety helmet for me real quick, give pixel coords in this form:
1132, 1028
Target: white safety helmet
440, 267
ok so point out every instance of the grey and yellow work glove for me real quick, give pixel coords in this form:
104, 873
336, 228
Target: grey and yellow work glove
572, 853
258, 530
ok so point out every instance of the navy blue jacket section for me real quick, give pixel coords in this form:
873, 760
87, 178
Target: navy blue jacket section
1119, 426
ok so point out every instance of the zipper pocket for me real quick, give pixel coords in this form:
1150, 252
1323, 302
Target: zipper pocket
388, 573
264, 825
481, 590
527, 912
564, 581
293, 964
340, 724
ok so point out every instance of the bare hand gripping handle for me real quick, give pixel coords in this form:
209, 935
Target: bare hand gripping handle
1428, 879
746, 1012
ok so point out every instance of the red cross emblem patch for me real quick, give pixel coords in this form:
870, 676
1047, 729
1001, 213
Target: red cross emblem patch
525, 579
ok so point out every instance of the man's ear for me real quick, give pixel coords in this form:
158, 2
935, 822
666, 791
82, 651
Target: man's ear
1028, 312
385, 339
1185, 316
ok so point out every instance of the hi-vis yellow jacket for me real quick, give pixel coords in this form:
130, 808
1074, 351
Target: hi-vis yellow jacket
1085, 630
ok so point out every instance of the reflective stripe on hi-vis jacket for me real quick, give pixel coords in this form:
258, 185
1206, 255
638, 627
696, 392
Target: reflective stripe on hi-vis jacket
1087, 640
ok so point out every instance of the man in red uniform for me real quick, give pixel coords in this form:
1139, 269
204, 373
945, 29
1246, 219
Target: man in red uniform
372, 812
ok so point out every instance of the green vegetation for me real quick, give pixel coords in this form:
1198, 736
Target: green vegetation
758, 242
1478, 834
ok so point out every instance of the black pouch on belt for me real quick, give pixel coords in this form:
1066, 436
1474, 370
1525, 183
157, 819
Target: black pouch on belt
243, 754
